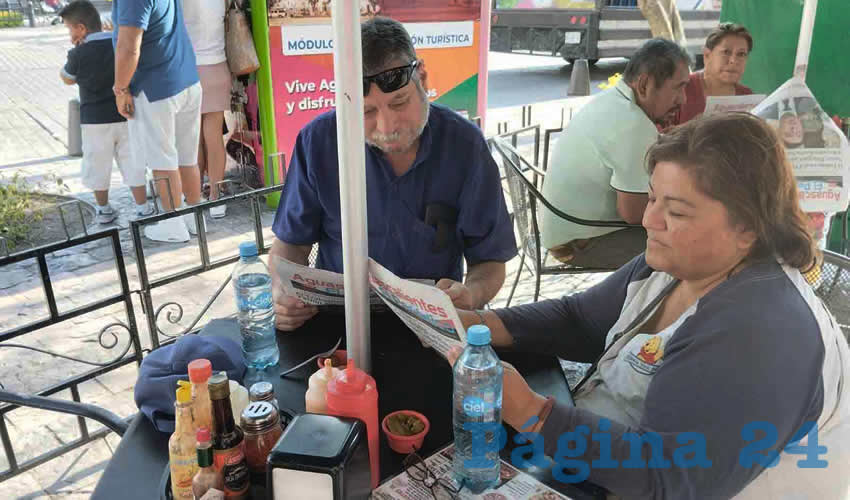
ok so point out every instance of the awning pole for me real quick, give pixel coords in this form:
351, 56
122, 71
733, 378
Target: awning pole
348, 72
804, 44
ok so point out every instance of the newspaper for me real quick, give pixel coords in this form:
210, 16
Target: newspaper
816, 147
513, 484
312, 286
427, 310
728, 103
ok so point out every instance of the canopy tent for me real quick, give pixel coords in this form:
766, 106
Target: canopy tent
775, 26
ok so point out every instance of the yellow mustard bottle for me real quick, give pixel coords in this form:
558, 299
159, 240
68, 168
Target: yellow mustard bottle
182, 455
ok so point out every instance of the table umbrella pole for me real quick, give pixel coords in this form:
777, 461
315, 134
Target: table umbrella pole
348, 72
804, 44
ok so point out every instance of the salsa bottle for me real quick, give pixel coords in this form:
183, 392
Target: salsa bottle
261, 424
228, 454
182, 456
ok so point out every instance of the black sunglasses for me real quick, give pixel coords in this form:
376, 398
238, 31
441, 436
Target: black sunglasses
390, 80
441, 488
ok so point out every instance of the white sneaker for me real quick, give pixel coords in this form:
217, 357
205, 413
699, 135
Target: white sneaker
144, 210
105, 214
169, 230
218, 211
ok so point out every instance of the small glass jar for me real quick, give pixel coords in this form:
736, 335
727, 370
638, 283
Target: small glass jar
261, 424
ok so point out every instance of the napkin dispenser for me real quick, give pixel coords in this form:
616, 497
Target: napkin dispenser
320, 457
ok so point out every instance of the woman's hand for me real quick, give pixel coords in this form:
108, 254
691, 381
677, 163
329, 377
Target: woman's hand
519, 402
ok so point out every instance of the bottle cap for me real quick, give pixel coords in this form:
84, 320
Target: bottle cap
248, 249
184, 392
203, 435
219, 386
200, 370
478, 335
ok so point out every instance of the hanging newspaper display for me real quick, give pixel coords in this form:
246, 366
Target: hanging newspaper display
816, 148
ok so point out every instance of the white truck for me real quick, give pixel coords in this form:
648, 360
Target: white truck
590, 29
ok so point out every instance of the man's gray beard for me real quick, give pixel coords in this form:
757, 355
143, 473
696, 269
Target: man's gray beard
419, 130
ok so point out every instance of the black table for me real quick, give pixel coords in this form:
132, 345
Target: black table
408, 376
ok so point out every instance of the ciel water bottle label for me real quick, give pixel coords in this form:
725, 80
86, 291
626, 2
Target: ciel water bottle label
259, 301
477, 406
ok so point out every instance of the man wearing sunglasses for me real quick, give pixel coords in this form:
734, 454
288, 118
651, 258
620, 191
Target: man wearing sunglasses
433, 192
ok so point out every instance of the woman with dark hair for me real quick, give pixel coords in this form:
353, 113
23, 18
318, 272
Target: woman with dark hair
702, 346
725, 54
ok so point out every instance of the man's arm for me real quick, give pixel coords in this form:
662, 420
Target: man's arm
293, 253
127, 51
629, 177
483, 282
487, 234
631, 206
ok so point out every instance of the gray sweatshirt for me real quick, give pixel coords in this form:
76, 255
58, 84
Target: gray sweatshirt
759, 350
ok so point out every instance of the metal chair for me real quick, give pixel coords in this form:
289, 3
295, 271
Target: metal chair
102, 415
837, 238
525, 195
832, 284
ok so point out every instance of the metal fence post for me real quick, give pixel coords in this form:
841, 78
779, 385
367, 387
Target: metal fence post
75, 132
31, 13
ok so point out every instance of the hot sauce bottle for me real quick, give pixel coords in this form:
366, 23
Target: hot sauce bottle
182, 456
206, 477
228, 454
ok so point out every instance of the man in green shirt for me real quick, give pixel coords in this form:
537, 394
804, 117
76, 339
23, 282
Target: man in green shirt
597, 169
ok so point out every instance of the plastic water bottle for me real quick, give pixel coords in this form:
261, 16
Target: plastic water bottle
477, 412
252, 285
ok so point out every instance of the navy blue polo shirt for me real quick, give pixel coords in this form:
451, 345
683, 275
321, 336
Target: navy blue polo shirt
92, 65
453, 167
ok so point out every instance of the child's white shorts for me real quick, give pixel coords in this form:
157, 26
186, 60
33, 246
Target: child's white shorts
103, 142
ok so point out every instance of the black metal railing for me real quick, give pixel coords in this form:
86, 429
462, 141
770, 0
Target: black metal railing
174, 310
109, 338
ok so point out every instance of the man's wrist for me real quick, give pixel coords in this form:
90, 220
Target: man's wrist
475, 292
119, 91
